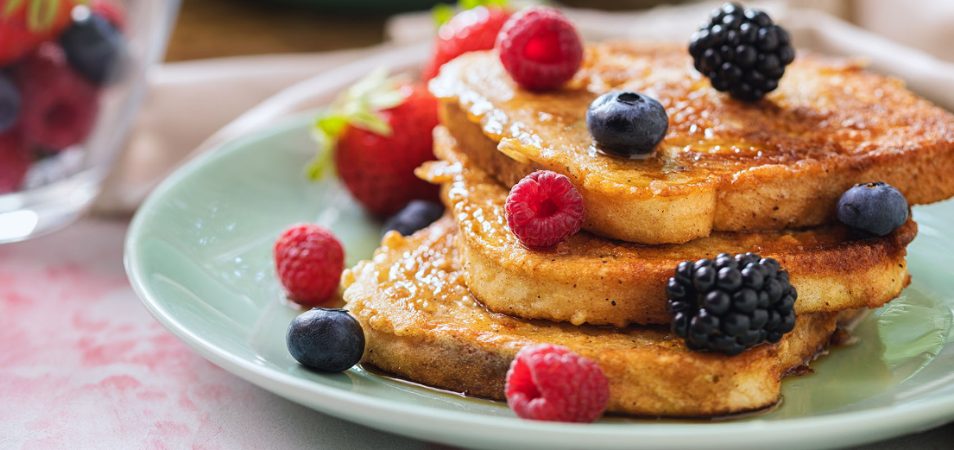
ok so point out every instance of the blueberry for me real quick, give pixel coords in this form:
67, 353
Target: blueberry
877, 208
626, 123
326, 339
94, 47
9, 103
415, 216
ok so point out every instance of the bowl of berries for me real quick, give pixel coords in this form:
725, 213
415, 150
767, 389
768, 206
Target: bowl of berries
72, 75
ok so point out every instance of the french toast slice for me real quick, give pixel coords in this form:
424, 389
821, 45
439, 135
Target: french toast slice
421, 323
832, 267
724, 165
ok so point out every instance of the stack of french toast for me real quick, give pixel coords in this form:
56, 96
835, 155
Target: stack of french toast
749, 182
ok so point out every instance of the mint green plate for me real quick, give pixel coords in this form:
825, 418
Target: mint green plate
198, 254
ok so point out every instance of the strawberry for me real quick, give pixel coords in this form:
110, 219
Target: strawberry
59, 106
25, 24
377, 133
14, 162
470, 30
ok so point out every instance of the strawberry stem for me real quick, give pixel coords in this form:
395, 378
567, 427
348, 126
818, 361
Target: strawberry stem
41, 14
11, 7
359, 107
443, 12
328, 127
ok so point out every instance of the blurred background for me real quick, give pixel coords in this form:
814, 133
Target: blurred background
215, 28
228, 60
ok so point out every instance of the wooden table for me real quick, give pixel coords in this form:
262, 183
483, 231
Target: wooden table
215, 28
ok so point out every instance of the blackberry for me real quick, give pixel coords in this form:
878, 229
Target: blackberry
731, 303
742, 51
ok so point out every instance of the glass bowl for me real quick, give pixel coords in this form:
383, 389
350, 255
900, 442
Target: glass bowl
59, 59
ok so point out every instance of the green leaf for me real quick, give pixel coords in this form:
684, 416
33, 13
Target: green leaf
370, 121
386, 99
11, 7
361, 103
913, 332
359, 106
375, 92
42, 13
366, 86
320, 166
331, 125
441, 13
325, 132
471, 4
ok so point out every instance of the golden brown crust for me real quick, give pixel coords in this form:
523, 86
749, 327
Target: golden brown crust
832, 267
422, 324
724, 165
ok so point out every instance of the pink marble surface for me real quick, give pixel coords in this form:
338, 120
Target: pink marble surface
83, 365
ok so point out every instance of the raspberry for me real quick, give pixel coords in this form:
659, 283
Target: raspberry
58, 107
14, 162
470, 30
540, 48
115, 13
549, 382
543, 209
309, 261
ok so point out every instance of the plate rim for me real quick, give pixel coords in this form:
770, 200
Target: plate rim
447, 426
